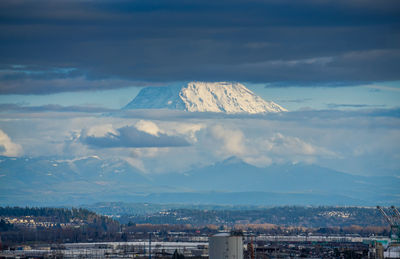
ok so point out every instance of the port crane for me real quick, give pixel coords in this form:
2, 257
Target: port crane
393, 218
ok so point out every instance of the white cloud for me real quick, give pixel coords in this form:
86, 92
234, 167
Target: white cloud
7, 147
280, 144
293, 149
148, 127
261, 148
229, 142
189, 130
101, 130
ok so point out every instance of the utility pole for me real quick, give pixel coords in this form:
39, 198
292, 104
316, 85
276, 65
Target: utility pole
150, 245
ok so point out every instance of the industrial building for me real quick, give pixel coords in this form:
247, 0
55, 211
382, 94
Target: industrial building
226, 246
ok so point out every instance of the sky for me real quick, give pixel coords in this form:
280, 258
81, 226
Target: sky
67, 67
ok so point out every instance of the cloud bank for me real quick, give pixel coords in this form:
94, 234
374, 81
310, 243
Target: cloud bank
48, 47
360, 142
143, 134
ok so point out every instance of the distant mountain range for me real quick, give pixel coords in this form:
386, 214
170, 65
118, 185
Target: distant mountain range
49, 181
204, 97
285, 184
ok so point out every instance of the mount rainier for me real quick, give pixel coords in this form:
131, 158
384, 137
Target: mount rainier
204, 97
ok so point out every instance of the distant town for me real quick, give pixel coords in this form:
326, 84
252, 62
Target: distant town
280, 232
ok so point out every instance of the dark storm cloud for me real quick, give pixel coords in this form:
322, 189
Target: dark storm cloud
21, 79
132, 137
163, 41
11, 107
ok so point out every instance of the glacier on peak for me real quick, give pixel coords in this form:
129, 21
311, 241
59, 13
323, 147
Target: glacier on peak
204, 97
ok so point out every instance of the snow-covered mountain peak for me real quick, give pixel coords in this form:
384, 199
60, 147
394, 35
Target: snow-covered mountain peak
204, 97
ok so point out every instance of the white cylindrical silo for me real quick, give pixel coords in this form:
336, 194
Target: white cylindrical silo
225, 246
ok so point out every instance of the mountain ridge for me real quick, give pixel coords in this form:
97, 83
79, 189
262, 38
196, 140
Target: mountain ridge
47, 180
196, 96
